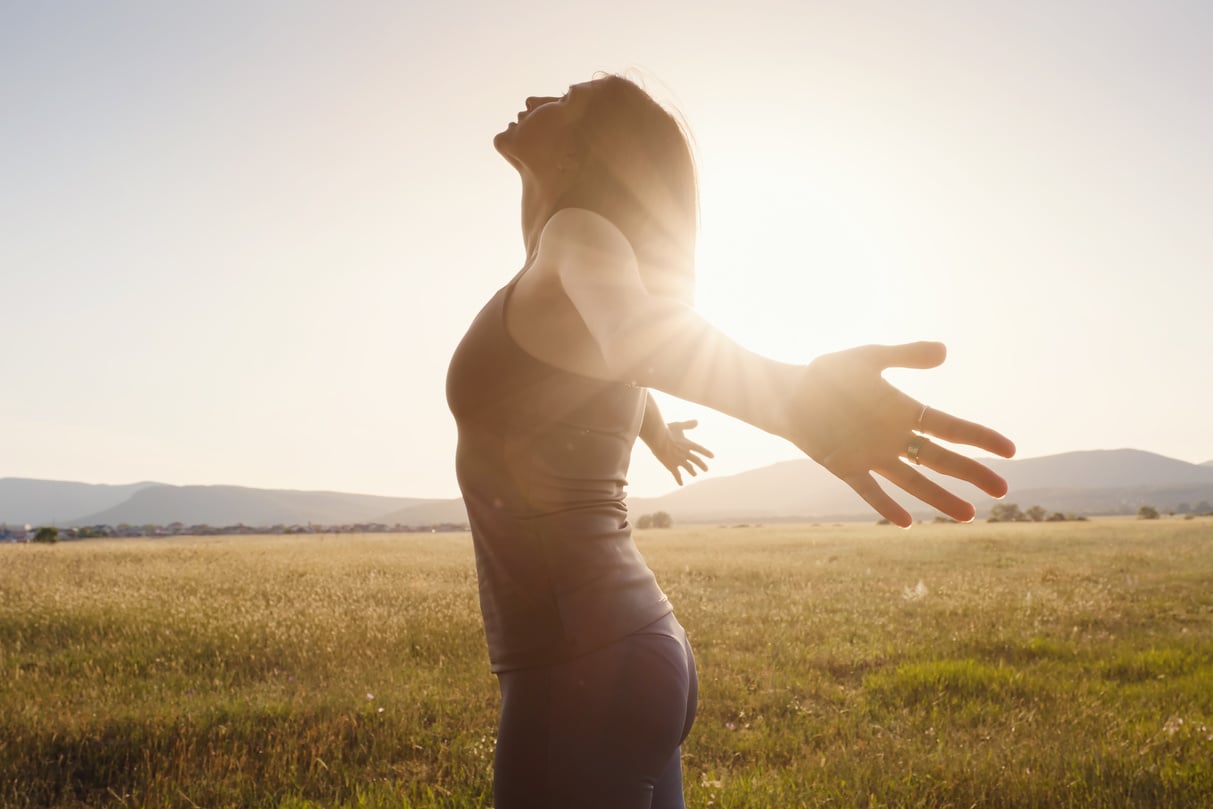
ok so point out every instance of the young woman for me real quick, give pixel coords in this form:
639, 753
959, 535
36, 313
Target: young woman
548, 389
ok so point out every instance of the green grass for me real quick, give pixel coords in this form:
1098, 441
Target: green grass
1025, 665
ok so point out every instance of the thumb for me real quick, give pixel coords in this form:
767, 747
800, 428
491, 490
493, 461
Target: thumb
684, 425
923, 354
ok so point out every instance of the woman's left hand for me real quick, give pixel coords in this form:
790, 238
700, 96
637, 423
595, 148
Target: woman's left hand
844, 415
676, 452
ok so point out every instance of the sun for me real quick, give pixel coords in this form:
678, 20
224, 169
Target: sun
788, 270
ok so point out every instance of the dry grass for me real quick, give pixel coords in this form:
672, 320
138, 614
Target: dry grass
1016, 665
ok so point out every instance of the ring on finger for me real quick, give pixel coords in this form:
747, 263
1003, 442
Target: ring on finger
914, 447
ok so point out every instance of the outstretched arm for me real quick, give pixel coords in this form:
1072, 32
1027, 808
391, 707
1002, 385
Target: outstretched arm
674, 450
838, 409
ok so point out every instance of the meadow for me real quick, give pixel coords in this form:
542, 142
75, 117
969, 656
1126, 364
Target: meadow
984, 665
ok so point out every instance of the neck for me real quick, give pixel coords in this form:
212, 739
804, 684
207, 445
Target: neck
538, 205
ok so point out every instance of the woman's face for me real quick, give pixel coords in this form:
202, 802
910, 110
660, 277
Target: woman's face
544, 138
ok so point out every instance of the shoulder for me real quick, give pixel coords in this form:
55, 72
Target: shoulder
585, 233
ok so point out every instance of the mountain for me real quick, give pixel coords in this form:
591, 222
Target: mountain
232, 505
1091, 482
40, 502
786, 490
1101, 469
1106, 481
1094, 482
428, 512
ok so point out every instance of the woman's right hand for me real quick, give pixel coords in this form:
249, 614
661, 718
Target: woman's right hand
843, 414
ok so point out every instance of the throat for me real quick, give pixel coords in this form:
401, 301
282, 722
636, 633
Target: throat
538, 205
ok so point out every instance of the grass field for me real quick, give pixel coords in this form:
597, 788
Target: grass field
1007, 665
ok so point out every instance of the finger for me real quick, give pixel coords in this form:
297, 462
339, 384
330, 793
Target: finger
960, 431
677, 473
929, 492
683, 425
962, 467
699, 462
702, 450
867, 488
921, 355
690, 467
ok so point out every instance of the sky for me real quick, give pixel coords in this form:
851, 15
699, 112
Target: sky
239, 241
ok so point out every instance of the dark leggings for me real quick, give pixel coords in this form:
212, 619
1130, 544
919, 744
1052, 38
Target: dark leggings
601, 731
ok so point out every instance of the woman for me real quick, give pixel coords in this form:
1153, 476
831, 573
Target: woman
548, 389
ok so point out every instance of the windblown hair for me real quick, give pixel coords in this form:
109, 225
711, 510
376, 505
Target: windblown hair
638, 172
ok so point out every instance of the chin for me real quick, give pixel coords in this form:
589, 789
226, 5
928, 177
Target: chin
502, 139
503, 143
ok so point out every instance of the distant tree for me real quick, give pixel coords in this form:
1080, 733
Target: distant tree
1006, 512
662, 519
1147, 513
645, 521
1056, 516
1036, 513
1184, 508
48, 534
1203, 507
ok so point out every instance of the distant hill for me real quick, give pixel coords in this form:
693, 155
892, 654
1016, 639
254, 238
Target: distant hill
232, 505
428, 512
1091, 482
1094, 482
38, 502
1098, 469
786, 490
1107, 481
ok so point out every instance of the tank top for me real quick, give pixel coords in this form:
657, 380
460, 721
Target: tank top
542, 461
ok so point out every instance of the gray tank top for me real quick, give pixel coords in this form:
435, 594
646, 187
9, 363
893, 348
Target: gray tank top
542, 462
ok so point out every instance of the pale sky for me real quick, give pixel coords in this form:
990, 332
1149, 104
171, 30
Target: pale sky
239, 241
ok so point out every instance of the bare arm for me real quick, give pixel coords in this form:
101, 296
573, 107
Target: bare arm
654, 341
838, 409
652, 425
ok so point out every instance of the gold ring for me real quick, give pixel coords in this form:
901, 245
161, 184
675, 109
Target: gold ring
914, 446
